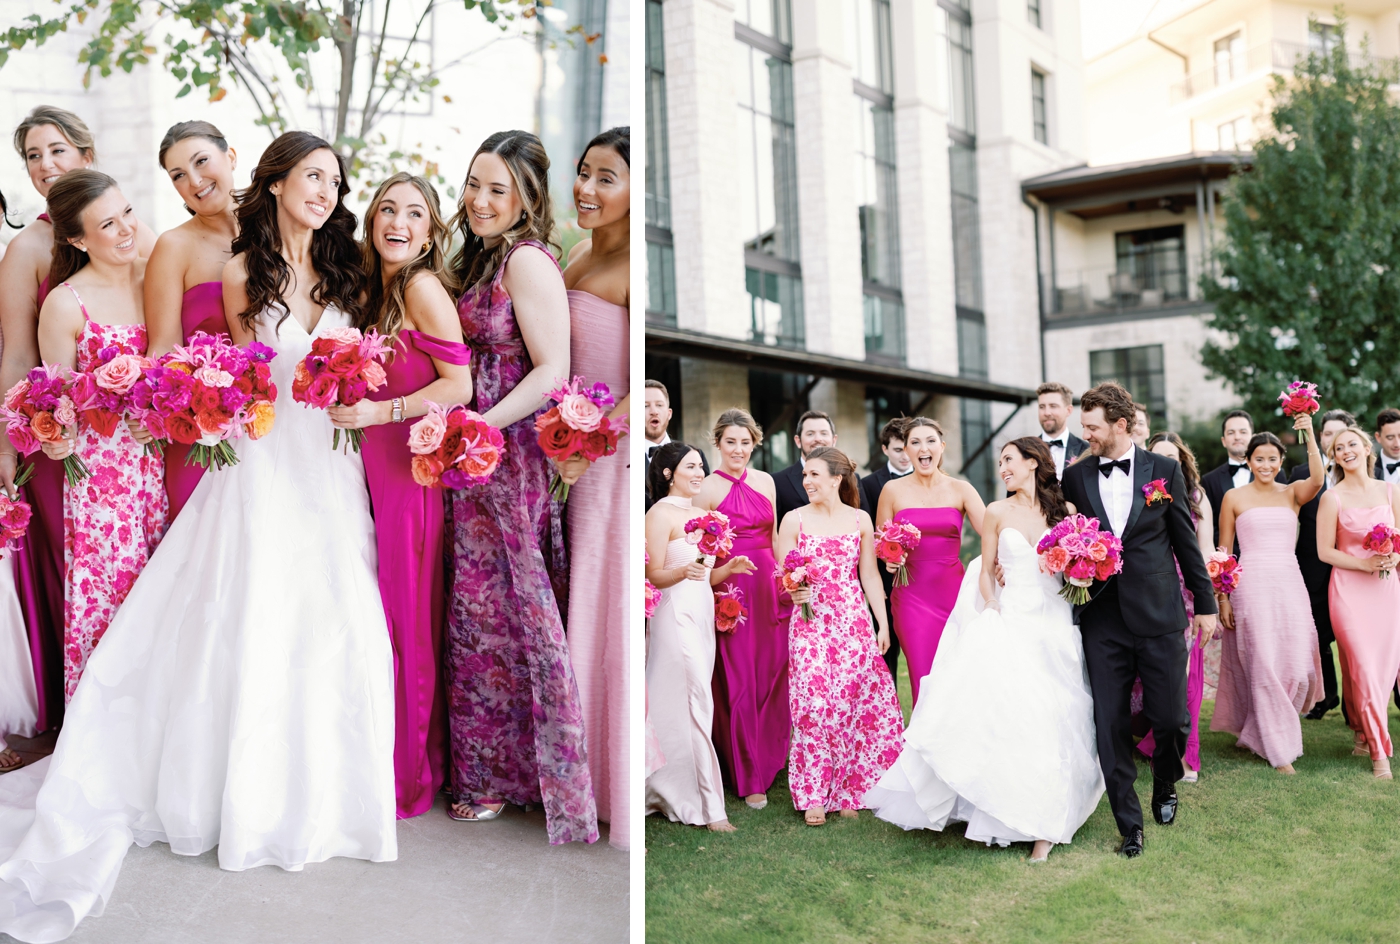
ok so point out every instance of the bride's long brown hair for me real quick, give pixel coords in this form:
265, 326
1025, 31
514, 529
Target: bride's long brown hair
1047, 488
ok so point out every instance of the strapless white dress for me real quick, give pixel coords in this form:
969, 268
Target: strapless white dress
243, 697
1003, 735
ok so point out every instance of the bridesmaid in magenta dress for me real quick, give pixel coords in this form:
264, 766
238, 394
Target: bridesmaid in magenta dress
597, 280
1270, 669
184, 292
514, 717
936, 504
752, 715
115, 517
408, 301
1364, 596
54, 141
847, 728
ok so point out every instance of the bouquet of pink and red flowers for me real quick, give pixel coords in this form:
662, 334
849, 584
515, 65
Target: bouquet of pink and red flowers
651, 597
1078, 549
729, 609
39, 409
1299, 397
1382, 539
453, 447
712, 535
203, 394
794, 573
102, 394
893, 544
578, 425
344, 366
1224, 570
14, 521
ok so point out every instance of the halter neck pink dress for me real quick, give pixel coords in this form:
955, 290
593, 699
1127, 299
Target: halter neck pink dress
921, 607
597, 513
752, 718
1366, 617
201, 309
408, 528
39, 572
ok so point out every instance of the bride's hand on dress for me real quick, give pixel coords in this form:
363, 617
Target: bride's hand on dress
363, 414
999, 573
992, 604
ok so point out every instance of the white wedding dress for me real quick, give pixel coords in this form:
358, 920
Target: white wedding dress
243, 697
1003, 735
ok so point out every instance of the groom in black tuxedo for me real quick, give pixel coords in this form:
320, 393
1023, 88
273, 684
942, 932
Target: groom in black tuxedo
1132, 624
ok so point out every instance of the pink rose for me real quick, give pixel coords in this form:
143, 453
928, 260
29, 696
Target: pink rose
65, 412
425, 436
1056, 559
1081, 569
579, 412
16, 396
120, 373
373, 374
213, 377
345, 335
321, 393
23, 439
1213, 568
1098, 551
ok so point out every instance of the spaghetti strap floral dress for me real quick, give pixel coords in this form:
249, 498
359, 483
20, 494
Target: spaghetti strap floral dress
514, 716
113, 519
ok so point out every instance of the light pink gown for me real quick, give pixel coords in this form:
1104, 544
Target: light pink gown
598, 562
1270, 671
1366, 617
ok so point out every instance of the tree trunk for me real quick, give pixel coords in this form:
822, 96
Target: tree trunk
346, 44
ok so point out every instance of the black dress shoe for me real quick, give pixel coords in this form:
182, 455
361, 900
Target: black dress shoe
1164, 804
1322, 707
1132, 843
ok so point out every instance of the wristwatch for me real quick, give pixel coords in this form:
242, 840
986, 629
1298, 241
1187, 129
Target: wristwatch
398, 409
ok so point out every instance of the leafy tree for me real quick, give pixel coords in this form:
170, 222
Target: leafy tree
1308, 280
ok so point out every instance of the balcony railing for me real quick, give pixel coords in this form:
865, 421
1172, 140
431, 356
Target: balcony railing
1104, 290
1276, 55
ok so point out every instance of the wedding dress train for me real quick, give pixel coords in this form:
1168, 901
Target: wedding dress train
243, 696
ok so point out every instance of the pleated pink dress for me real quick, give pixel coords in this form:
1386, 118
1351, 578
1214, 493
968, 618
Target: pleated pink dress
1270, 670
598, 560
201, 309
1366, 618
922, 606
408, 531
752, 716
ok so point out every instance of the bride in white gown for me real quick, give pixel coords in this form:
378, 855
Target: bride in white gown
243, 695
1003, 737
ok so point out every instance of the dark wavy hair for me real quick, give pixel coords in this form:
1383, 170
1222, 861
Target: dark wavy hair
619, 139
1189, 470
666, 459
1047, 488
70, 195
334, 253
839, 464
528, 164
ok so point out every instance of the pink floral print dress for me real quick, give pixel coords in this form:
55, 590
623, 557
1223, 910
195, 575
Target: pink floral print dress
847, 727
113, 519
514, 716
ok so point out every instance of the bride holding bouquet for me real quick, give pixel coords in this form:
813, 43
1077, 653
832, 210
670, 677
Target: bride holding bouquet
243, 696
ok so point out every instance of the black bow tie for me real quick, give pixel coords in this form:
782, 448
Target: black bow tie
1055, 443
1107, 467
651, 451
1236, 466
1390, 467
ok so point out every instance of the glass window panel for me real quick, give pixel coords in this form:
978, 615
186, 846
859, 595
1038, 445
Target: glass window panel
884, 327
1322, 37
1033, 12
775, 308
868, 42
769, 17
661, 284
1153, 259
877, 193
658, 173
1140, 370
961, 107
768, 179
1039, 122
967, 245
1229, 58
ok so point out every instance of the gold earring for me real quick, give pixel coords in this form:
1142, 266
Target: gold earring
426, 244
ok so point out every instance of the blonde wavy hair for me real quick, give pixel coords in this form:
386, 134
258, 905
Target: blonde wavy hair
385, 304
1367, 467
525, 158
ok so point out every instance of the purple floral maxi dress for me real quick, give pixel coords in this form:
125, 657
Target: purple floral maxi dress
112, 520
515, 721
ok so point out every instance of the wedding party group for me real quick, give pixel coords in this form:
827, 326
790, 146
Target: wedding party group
1117, 587
290, 552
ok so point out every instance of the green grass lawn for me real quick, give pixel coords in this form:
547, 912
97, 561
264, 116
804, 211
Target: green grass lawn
1255, 856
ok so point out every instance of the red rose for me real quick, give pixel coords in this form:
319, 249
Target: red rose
182, 429
559, 441
346, 362
891, 551
204, 399
729, 609
598, 444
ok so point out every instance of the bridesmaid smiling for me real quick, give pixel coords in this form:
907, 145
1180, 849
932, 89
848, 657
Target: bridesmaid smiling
935, 503
184, 289
596, 281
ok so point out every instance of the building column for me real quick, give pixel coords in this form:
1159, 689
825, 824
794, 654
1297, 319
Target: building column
710, 388
824, 109
702, 125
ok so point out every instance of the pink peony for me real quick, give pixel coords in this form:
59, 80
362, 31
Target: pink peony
343, 335
1057, 559
120, 373
1097, 551
579, 412
1081, 569
426, 435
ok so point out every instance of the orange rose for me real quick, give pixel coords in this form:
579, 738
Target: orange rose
260, 420
46, 428
426, 470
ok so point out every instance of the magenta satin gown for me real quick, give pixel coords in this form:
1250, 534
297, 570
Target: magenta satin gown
752, 715
922, 606
597, 513
408, 528
201, 309
40, 574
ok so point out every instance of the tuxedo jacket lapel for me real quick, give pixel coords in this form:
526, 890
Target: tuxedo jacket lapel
1089, 469
1142, 474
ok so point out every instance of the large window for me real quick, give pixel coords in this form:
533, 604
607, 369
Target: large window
1229, 58
967, 229
1322, 37
767, 192
1152, 260
961, 107
1140, 370
1033, 12
1040, 122
661, 263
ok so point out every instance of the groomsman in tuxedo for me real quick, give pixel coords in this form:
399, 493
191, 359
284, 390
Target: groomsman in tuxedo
1142, 429
656, 416
1317, 576
1388, 435
1054, 405
897, 465
1235, 433
814, 428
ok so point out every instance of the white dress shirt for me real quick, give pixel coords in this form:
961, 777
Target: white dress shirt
1241, 476
1116, 491
895, 473
1059, 448
652, 447
1386, 475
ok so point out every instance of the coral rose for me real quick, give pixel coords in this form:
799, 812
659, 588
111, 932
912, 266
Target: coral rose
579, 412
373, 374
426, 435
260, 418
1213, 568
1056, 559
480, 460
45, 428
15, 397
1097, 551
891, 551
426, 470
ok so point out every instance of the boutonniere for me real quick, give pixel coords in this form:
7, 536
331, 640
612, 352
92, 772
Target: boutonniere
1156, 492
